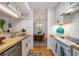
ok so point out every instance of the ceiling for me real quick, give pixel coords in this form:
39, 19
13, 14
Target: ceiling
42, 5
40, 10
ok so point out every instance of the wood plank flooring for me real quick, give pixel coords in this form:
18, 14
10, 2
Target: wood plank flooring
42, 50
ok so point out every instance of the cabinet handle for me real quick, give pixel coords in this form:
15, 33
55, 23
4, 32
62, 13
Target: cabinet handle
26, 44
56, 47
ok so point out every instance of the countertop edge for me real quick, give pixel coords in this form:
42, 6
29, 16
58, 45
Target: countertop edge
14, 43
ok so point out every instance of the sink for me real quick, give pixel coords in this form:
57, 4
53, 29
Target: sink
1, 39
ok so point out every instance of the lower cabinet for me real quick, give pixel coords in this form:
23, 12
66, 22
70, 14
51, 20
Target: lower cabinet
13, 51
75, 52
55, 46
20, 49
26, 46
52, 44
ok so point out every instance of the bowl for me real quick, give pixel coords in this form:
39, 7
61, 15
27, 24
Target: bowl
1, 39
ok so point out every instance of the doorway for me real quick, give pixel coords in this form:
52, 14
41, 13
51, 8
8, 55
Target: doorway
40, 27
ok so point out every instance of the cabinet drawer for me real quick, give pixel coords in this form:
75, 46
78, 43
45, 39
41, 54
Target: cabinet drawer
75, 52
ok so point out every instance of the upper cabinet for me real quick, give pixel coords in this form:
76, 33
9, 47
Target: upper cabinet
15, 9
63, 6
65, 19
62, 12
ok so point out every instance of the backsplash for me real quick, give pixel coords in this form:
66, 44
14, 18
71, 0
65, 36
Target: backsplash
73, 28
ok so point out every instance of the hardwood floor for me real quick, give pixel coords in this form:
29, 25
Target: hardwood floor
42, 50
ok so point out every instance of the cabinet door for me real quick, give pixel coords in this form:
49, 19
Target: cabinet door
12, 54
18, 50
25, 47
50, 42
14, 51
75, 52
11, 50
53, 45
65, 19
58, 48
29, 42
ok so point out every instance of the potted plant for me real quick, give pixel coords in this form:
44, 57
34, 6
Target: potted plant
2, 23
23, 32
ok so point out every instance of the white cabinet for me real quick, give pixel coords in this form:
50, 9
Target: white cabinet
57, 47
75, 52
20, 49
64, 19
26, 46
61, 9
16, 9
63, 6
12, 6
52, 44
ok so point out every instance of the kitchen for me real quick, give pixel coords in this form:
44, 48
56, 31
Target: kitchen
22, 22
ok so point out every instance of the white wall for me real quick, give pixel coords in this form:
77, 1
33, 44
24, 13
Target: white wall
40, 16
26, 23
18, 24
8, 19
51, 20
72, 28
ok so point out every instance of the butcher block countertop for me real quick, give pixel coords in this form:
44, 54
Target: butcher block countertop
53, 35
75, 47
9, 42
